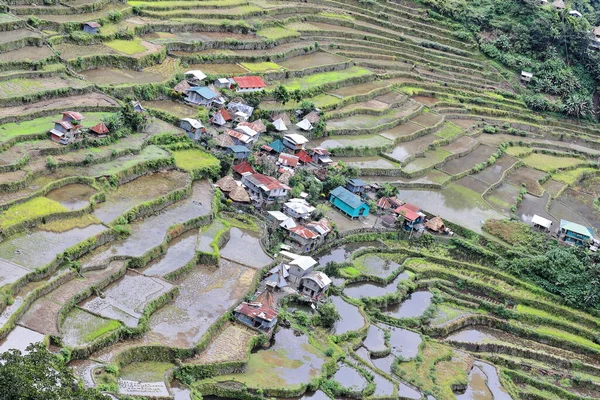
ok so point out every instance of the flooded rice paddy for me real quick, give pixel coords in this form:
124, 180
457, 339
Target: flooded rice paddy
350, 317
20, 338
350, 378
73, 197
344, 253
81, 327
181, 251
414, 306
244, 247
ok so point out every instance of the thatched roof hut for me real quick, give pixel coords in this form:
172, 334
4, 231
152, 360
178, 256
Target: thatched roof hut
239, 195
227, 183
435, 224
182, 87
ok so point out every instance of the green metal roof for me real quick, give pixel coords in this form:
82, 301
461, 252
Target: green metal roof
347, 197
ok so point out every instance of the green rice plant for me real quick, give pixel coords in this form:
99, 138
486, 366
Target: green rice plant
127, 46
193, 159
34, 208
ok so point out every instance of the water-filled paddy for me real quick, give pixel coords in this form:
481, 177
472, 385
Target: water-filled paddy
244, 248
73, 197
350, 378
350, 317
414, 306
181, 251
344, 253
81, 327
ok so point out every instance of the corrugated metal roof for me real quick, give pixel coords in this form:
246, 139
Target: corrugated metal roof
347, 197
248, 82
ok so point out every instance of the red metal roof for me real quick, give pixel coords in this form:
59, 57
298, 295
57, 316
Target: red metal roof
225, 114
257, 310
288, 160
248, 82
100, 129
384, 203
268, 181
412, 207
406, 213
304, 157
73, 115
243, 168
65, 124
238, 135
321, 151
250, 125
266, 148
304, 232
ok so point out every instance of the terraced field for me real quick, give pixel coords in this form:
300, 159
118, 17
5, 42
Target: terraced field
120, 252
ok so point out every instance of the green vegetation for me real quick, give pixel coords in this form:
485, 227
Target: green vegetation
127, 46
572, 176
35, 208
547, 162
63, 225
322, 78
109, 326
193, 159
449, 131
277, 33
42, 125
261, 67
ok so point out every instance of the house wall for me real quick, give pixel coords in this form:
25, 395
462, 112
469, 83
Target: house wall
344, 207
296, 273
245, 90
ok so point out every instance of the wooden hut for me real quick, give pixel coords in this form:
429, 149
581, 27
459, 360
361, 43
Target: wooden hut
435, 224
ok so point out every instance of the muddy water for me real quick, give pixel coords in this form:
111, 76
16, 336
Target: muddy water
375, 340
378, 266
142, 189
73, 197
472, 336
477, 388
244, 248
405, 149
207, 235
357, 290
40, 247
180, 252
344, 253
113, 76
414, 306
404, 343
532, 205
77, 325
204, 295
84, 369
383, 387
350, 378
493, 382
19, 338
350, 317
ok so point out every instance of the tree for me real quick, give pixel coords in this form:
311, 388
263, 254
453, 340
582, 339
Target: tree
327, 316
281, 94
307, 106
39, 374
388, 190
131, 118
297, 95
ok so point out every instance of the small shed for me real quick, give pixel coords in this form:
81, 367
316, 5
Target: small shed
99, 130
257, 316
280, 125
348, 202
526, 77
356, 185
435, 224
222, 83
305, 125
137, 107
321, 156
195, 77
541, 223
192, 127
91, 27
239, 152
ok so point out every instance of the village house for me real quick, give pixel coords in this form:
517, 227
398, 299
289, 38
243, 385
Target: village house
240, 117
257, 126
222, 83
235, 106
91, 27
137, 107
595, 42
239, 152
246, 130
276, 217
305, 125
287, 161
278, 276
321, 156
280, 125
221, 117
436, 225
575, 14
294, 141
349, 203
298, 208
302, 239
322, 227
265, 188
312, 117
299, 266
559, 4
240, 138
224, 141
243, 168
526, 77
100, 130
303, 157
275, 146
356, 185
249, 84
68, 128
195, 77
182, 87
260, 314
202, 96
575, 234
314, 285
410, 215
541, 223
193, 128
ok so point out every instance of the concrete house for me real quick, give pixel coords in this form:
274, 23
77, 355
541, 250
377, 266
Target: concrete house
249, 83
259, 314
526, 77
68, 128
303, 239
575, 234
298, 208
201, 95
410, 215
91, 27
299, 266
265, 188
349, 203
193, 128
321, 156
287, 161
221, 117
314, 285
222, 83
294, 141
243, 168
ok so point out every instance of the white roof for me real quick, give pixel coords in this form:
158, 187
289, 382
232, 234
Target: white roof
288, 223
279, 125
223, 80
296, 138
304, 125
193, 122
218, 119
300, 207
241, 114
575, 13
246, 130
319, 277
546, 223
527, 74
304, 262
288, 255
196, 73
278, 215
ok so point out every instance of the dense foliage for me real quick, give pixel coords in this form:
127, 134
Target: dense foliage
39, 374
550, 43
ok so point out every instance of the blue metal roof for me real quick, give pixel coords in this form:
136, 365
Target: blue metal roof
357, 182
239, 149
204, 92
347, 197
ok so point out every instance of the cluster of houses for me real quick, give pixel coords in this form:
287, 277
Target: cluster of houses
569, 233
70, 128
295, 274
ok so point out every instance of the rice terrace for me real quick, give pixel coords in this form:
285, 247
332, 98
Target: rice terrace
285, 199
